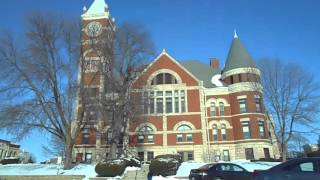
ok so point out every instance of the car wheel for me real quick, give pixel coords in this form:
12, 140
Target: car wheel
217, 178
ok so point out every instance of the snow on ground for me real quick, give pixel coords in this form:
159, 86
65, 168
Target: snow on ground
185, 167
51, 169
88, 169
251, 166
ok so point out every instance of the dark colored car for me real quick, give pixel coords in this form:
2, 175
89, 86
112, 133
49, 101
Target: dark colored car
223, 171
200, 173
296, 169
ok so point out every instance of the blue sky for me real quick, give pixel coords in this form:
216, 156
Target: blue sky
199, 29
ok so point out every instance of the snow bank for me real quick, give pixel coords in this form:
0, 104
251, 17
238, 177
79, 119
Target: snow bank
251, 166
185, 167
52, 169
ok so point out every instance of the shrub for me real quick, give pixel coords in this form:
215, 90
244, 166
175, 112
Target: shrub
9, 161
164, 166
111, 168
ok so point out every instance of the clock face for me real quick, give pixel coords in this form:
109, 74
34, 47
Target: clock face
93, 29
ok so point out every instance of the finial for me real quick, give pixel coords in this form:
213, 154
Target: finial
84, 8
163, 50
235, 34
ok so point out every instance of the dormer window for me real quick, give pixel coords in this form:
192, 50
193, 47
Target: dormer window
164, 78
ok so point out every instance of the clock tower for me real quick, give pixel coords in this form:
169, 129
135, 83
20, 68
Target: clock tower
97, 35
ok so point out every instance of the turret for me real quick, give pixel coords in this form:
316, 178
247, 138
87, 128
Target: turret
239, 66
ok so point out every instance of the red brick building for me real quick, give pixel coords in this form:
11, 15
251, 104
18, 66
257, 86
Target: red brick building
198, 110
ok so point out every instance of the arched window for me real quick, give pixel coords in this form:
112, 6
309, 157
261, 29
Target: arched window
146, 129
213, 109
164, 78
223, 132
145, 132
215, 132
186, 137
221, 108
184, 127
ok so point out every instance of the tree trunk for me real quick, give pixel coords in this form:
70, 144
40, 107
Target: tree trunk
68, 155
113, 150
284, 152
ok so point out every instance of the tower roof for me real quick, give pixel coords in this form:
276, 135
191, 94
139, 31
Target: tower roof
98, 8
238, 56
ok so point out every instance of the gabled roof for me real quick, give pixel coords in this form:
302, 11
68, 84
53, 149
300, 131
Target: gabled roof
201, 71
238, 56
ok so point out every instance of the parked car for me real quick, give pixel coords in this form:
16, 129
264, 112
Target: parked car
221, 171
295, 169
201, 172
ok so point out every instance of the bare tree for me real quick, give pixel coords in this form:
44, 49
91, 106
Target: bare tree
292, 98
39, 80
132, 49
54, 148
296, 142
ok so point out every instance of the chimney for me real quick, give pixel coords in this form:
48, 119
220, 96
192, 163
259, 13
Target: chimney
214, 63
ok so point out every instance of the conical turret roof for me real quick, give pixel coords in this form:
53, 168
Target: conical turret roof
238, 56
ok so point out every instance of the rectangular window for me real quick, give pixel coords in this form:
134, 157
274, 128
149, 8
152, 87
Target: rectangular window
168, 93
266, 153
176, 104
226, 156
183, 101
215, 134
258, 104
159, 93
179, 138
86, 136
151, 105
168, 105
159, 105
243, 105
140, 138
249, 153
221, 108
88, 157
261, 129
141, 156
189, 137
150, 138
246, 130
190, 156
150, 155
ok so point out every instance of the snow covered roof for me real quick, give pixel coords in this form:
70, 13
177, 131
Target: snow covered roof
98, 9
